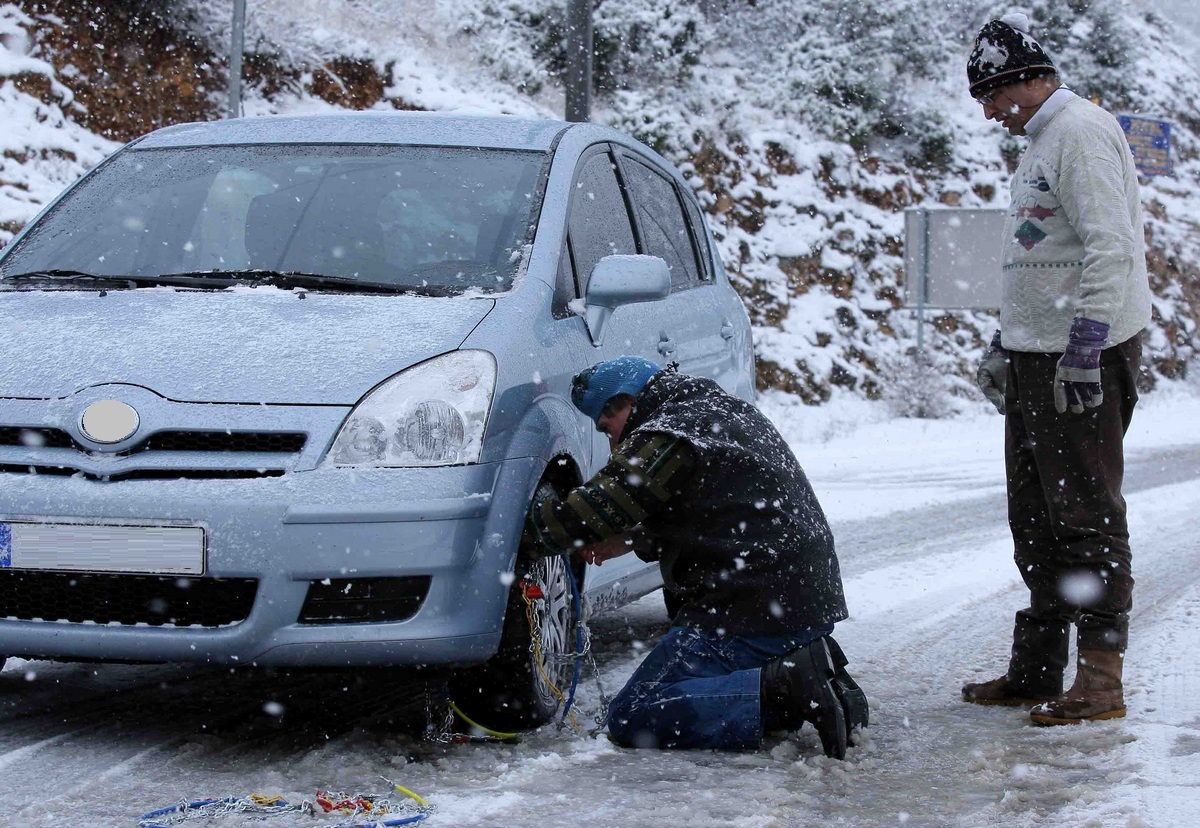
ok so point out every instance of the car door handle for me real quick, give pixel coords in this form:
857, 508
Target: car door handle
666, 347
727, 331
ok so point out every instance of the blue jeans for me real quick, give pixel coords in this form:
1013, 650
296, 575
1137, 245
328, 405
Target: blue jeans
697, 689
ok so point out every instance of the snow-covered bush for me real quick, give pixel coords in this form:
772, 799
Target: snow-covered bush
914, 385
1093, 45
635, 42
647, 42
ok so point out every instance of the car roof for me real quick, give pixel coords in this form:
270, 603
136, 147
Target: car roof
420, 128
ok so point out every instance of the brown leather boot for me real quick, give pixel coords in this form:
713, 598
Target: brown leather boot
1001, 691
1096, 694
1035, 668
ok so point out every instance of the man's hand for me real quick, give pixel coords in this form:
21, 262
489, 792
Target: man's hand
614, 547
1077, 379
992, 376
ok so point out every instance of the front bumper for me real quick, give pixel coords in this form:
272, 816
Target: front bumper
459, 526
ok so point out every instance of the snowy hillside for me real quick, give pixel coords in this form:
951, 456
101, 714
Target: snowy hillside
42, 147
808, 126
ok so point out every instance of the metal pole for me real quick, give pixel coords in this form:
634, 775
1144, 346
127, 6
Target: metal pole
579, 60
234, 110
923, 280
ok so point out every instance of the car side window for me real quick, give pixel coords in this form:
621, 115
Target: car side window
566, 287
700, 234
660, 215
599, 221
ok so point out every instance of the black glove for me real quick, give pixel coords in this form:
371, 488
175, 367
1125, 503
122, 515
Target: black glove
992, 376
1077, 379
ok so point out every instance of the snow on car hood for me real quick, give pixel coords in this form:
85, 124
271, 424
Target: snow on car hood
244, 344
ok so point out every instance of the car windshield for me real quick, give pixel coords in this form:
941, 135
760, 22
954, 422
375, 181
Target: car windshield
437, 219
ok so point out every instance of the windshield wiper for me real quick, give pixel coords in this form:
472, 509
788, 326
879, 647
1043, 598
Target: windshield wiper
294, 279
76, 276
221, 279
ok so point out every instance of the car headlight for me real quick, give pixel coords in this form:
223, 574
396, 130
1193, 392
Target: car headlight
432, 414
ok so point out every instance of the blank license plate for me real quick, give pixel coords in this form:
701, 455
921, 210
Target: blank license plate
79, 547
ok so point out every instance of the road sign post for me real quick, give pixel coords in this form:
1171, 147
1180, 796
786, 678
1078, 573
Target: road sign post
236, 45
579, 60
952, 260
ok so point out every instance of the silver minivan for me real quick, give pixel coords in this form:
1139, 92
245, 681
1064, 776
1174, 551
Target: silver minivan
280, 391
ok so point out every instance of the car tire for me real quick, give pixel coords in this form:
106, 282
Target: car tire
512, 691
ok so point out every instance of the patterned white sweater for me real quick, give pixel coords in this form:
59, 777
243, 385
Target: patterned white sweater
1076, 245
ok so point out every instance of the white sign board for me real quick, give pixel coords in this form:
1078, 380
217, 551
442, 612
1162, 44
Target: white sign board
952, 258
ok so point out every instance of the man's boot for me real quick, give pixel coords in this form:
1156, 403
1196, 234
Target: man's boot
1097, 693
797, 687
853, 699
1035, 669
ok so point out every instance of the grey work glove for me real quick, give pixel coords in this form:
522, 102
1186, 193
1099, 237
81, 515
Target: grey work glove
992, 376
1077, 377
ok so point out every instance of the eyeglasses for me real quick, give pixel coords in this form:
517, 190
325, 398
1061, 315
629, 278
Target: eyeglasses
990, 99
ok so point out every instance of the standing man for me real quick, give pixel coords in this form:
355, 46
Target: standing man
1062, 370
702, 482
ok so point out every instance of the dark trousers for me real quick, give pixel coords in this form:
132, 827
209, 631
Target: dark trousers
1066, 511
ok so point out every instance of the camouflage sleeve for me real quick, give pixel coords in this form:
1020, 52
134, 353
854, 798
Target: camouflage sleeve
639, 479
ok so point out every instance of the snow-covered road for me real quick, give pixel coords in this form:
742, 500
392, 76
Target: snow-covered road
918, 512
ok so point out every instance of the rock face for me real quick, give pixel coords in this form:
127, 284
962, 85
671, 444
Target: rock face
129, 69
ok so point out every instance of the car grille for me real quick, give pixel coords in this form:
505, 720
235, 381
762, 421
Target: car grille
238, 441
363, 600
36, 437
156, 600
215, 454
224, 441
144, 474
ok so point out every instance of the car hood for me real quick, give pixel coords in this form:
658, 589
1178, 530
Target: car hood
243, 345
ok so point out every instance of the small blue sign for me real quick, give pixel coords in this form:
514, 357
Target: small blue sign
1150, 142
5, 546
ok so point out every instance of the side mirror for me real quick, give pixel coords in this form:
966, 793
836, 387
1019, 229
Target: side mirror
622, 280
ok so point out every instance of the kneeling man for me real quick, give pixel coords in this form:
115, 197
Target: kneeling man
702, 482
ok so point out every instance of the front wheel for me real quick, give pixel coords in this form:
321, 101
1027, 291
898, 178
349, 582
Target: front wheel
529, 678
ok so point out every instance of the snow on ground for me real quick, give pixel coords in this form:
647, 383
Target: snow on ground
850, 444
918, 510
932, 590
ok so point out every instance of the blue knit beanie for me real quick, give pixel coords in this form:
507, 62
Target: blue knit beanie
592, 388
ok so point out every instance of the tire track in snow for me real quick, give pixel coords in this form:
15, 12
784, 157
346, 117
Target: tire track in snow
78, 791
928, 757
214, 720
870, 543
1165, 673
22, 754
958, 764
123, 737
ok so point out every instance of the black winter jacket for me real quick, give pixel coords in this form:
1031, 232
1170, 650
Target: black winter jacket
745, 542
